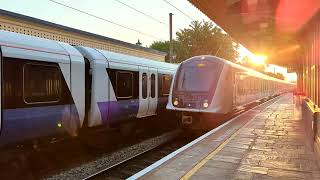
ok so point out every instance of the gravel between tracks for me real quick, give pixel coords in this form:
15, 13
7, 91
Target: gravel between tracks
109, 160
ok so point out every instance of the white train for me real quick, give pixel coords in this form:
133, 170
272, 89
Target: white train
51, 88
207, 85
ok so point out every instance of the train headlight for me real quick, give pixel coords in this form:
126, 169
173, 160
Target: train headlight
206, 104
175, 102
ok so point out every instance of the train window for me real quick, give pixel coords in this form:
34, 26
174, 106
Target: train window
166, 84
198, 77
135, 85
41, 83
160, 76
12, 84
124, 84
153, 85
240, 81
144, 86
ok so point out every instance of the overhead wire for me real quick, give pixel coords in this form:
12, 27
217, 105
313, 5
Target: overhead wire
145, 14
179, 10
103, 19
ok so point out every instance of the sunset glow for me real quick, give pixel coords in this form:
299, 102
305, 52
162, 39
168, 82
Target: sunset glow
258, 59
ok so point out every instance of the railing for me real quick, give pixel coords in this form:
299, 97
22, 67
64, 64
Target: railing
310, 114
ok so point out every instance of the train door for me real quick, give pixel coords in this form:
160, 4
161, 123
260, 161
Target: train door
1, 88
234, 94
153, 91
143, 92
148, 91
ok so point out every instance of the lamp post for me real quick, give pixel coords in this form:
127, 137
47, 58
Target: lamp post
170, 35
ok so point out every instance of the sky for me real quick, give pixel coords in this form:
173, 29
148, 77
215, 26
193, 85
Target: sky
153, 28
277, 69
156, 27
112, 10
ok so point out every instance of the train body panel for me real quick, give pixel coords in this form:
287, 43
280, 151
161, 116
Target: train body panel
222, 101
118, 88
37, 100
98, 87
52, 88
77, 74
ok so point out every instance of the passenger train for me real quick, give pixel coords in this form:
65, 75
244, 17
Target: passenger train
51, 88
205, 86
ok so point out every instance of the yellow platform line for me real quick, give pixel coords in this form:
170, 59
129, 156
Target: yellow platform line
216, 151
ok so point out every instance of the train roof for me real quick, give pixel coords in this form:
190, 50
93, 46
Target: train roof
127, 59
113, 57
25, 46
237, 66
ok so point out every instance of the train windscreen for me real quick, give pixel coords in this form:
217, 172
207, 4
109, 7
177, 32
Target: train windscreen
198, 76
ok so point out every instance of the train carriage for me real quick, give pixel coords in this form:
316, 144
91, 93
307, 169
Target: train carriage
50, 89
124, 87
207, 85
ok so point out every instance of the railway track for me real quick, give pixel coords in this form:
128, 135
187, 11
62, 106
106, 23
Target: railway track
142, 160
134, 165
51, 161
103, 163
122, 157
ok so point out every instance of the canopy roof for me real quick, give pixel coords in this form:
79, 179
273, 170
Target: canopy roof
271, 27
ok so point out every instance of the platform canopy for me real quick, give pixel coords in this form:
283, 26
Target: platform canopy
271, 27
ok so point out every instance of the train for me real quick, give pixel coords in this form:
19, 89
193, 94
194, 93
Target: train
51, 89
205, 87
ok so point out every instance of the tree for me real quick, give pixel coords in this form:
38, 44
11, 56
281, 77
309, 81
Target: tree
205, 38
161, 46
164, 46
200, 38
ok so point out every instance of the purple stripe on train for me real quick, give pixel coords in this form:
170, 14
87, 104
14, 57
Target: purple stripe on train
28, 123
117, 111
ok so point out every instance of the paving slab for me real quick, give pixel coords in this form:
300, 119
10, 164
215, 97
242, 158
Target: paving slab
266, 143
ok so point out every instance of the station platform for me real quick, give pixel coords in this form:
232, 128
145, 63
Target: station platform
266, 142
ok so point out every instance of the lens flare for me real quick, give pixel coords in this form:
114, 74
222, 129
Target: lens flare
258, 59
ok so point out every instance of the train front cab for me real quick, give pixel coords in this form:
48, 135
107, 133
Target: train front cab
198, 90
201, 97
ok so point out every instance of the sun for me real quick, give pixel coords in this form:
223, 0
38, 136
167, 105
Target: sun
258, 59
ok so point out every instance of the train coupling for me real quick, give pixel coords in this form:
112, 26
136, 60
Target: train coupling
186, 120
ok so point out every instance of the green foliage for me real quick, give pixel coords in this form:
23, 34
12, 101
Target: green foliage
200, 38
161, 46
164, 46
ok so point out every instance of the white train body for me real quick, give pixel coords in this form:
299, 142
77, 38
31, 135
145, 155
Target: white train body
51, 88
211, 85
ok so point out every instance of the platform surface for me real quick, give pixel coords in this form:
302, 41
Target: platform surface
267, 142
